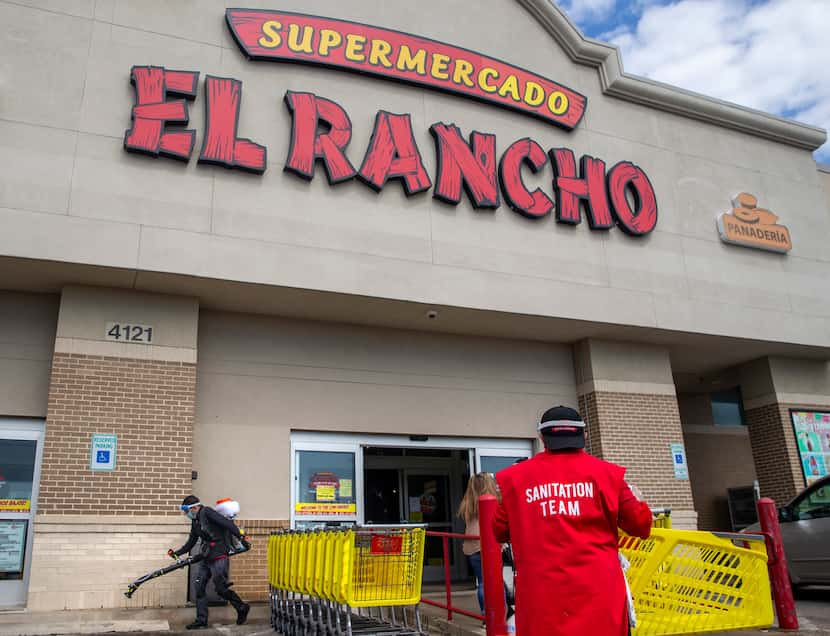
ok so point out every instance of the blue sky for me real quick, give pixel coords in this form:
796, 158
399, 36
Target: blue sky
773, 55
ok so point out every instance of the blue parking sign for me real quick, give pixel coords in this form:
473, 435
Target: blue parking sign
102, 452
681, 468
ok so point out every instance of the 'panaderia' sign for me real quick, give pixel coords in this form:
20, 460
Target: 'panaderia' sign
321, 129
751, 226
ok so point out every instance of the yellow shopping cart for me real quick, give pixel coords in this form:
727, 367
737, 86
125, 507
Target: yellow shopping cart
333, 582
693, 582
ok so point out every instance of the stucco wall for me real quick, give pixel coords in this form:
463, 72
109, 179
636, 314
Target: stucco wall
720, 457
27, 340
258, 378
69, 192
824, 179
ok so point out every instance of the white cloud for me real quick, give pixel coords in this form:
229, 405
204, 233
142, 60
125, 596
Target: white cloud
771, 55
587, 10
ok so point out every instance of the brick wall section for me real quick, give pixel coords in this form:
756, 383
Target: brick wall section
87, 561
775, 451
249, 571
588, 410
149, 405
635, 430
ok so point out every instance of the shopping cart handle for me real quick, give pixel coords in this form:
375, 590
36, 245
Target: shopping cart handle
666, 510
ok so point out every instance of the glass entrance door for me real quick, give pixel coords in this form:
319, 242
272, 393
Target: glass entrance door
20, 457
492, 460
428, 500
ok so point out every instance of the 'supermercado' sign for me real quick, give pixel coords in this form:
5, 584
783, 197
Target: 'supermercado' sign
293, 37
321, 129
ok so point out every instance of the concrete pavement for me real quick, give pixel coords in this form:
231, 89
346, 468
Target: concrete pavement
813, 610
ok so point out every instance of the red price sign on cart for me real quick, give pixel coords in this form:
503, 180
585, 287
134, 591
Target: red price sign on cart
383, 544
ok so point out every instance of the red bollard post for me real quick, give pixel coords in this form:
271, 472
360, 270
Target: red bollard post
495, 610
445, 540
779, 576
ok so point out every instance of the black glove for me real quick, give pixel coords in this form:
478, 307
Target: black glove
246, 543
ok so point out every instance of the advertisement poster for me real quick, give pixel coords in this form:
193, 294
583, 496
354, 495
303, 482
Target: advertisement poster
812, 434
333, 509
15, 505
330, 496
12, 545
325, 493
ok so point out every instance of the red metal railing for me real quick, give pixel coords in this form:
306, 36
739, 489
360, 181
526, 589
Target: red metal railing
445, 541
492, 582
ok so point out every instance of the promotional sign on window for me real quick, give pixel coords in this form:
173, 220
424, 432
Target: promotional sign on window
325, 484
812, 433
15, 505
12, 546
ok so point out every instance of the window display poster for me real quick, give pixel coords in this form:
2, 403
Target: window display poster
812, 434
12, 546
325, 492
325, 484
15, 505
346, 488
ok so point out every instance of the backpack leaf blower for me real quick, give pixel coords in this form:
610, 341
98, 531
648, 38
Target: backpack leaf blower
226, 507
178, 565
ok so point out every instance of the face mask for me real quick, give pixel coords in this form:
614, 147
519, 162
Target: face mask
191, 514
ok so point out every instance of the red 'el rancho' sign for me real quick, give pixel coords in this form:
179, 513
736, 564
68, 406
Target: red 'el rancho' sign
309, 39
320, 132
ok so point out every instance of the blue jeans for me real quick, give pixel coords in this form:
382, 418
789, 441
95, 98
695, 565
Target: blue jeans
475, 564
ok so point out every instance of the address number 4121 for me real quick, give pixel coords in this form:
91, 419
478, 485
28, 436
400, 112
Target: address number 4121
126, 332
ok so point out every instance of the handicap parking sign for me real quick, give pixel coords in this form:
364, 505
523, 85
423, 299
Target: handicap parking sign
102, 452
681, 468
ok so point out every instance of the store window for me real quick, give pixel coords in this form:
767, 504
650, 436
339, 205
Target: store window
17, 470
325, 484
727, 408
493, 465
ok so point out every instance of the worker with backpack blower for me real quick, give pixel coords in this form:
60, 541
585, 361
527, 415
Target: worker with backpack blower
216, 533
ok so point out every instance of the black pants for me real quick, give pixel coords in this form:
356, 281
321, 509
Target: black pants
218, 571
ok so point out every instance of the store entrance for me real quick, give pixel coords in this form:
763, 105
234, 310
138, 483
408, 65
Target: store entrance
347, 479
418, 485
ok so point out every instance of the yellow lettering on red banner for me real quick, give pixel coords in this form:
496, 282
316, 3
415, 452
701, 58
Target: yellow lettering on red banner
409, 62
440, 66
461, 73
534, 94
271, 38
329, 39
379, 53
558, 102
511, 86
300, 45
354, 47
485, 74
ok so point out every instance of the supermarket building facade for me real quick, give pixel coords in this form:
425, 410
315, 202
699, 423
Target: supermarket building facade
238, 260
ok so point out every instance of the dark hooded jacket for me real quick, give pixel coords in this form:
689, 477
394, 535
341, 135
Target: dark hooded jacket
214, 530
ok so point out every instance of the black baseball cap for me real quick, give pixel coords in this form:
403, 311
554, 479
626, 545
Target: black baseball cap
562, 427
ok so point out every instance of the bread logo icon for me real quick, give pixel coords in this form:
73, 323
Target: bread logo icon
750, 226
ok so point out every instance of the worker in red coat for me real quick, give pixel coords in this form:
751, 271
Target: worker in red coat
560, 510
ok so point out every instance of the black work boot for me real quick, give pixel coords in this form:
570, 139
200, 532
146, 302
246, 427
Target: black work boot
242, 613
197, 625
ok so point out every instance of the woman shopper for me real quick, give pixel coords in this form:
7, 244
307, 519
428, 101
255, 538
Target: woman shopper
480, 484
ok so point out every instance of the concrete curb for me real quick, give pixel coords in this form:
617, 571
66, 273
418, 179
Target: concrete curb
83, 627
